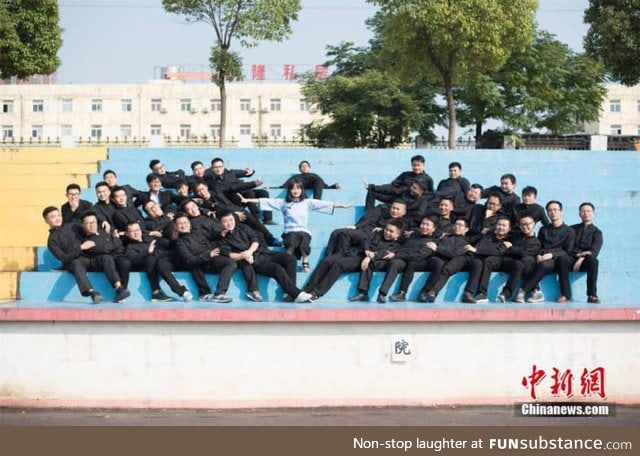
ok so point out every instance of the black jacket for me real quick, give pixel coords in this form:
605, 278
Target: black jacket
588, 238
194, 248
64, 242
69, 216
558, 241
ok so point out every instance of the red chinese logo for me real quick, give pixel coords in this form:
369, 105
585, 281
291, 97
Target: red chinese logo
591, 382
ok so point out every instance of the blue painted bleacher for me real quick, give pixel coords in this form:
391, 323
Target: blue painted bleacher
608, 179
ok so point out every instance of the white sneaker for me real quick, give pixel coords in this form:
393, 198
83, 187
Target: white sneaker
303, 296
207, 297
187, 296
520, 296
536, 296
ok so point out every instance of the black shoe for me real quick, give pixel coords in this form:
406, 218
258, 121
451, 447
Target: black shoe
96, 297
468, 298
159, 296
382, 299
422, 297
399, 297
359, 297
121, 295
593, 300
481, 298
431, 296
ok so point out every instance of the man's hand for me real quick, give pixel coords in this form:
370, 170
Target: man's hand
578, 264
86, 245
214, 252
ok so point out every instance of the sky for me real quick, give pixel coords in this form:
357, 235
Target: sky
127, 41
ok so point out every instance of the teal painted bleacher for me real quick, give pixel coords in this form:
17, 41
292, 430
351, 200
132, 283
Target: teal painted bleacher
608, 179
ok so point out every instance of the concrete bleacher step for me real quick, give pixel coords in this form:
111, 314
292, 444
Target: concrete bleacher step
23, 181
42, 169
59, 286
17, 258
8, 285
52, 155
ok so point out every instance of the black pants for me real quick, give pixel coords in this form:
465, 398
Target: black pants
392, 267
516, 268
432, 264
79, 267
328, 271
299, 241
590, 266
279, 266
156, 267
561, 265
343, 238
223, 266
384, 190
457, 264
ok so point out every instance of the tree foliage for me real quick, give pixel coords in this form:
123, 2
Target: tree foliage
453, 41
247, 21
29, 37
367, 106
613, 37
546, 85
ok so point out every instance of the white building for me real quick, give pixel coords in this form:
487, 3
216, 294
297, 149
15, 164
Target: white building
168, 108
620, 113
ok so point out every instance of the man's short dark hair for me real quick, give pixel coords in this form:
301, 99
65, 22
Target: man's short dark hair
153, 163
398, 223
152, 177
421, 182
495, 195
303, 162
133, 222
504, 217
185, 202
587, 203
88, 213
553, 202
180, 215
399, 201
217, 159
419, 158
455, 165
101, 184
530, 190
73, 187
451, 199
109, 171
48, 210
117, 188
509, 176
478, 186
224, 213
196, 163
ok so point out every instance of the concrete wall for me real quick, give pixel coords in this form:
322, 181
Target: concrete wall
307, 364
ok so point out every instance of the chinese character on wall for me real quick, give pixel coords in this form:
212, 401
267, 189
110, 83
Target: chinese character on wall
289, 72
258, 72
322, 72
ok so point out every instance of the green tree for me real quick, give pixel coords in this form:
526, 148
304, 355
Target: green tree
546, 85
367, 106
451, 41
613, 37
29, 37
247, 21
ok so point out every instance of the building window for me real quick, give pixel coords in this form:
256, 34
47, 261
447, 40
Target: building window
125, 131
638, 105
156, 130
216, 105
96, 105
38, 106
306, 105
275, 130
36, 131
614, 106
215, 131
66, 105
616, 130
127, 106
185, 104
156, 105
7, 106
185, 131
66, 130
245, 129
245, 104
96, 131
7, 131
275, 104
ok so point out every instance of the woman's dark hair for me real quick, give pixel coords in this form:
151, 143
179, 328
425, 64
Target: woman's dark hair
290, 185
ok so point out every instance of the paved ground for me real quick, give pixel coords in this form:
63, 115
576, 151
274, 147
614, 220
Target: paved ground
366, 416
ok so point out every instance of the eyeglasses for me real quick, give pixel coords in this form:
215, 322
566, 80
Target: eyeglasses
527, 224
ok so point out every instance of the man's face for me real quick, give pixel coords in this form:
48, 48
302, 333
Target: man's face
53, 219
507, 186
529, 198
73, 196
527, 224
159, 169
192, 209
446, 207
183, 190
111, 179
460, 228
304, 168
203, 191
502, 227
134, 232
417, 167
153, 209
494, 204
103, 193
416, 190
586, 213
218, 168
427, 227
228, 223
182, 225
391, 232
454, 172
120, 198
474, 194
554, 212
198, 170
90, 224
154, 185
397, 210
